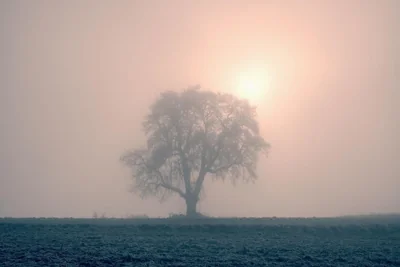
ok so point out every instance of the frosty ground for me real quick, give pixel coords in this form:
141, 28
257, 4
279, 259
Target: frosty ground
348, 241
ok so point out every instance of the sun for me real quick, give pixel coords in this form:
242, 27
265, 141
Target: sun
252, 85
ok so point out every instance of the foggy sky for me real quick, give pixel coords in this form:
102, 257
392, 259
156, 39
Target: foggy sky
77, 78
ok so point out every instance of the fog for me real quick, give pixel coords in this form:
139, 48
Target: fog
77, 78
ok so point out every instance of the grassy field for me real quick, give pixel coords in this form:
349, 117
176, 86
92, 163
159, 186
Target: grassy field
344, 241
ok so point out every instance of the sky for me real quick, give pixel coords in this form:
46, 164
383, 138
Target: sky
78, 77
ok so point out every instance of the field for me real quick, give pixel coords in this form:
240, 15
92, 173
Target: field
347, 241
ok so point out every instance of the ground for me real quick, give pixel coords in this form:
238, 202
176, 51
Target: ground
203, 242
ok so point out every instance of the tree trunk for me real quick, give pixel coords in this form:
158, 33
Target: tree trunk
191, 203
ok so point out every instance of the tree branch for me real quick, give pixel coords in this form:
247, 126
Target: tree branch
236, 161
173, 188
158, 173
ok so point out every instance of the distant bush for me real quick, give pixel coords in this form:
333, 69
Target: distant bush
176, 215
138, 216
97, 216
181, 215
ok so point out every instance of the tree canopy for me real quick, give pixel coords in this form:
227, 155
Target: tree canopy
192, 135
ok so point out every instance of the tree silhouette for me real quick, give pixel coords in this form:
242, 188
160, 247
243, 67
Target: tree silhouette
193, 135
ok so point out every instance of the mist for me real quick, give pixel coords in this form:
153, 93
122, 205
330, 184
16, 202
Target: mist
78, 77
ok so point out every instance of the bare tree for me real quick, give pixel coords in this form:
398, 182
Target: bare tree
193, 135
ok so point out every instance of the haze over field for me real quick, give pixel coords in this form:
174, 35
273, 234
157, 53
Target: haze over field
78, 77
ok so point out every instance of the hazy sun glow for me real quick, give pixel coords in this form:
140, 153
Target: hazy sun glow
252, 85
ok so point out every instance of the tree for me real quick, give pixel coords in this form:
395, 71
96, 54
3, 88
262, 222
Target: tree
193, 135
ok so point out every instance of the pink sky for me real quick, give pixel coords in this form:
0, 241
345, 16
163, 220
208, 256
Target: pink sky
77, 77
